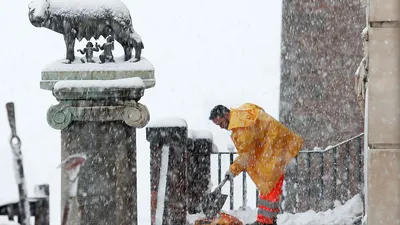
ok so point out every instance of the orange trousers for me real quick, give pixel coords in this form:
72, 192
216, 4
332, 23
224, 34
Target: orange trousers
268, 205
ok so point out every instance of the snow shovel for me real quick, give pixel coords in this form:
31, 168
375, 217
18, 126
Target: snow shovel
214, 201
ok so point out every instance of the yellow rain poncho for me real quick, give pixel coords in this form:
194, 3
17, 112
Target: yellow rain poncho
264, 145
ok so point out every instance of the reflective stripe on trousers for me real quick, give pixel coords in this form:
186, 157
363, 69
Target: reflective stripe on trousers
268, 205
267, 208
270, 213
267, 211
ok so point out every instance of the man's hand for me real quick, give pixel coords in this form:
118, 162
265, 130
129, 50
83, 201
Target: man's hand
229, 175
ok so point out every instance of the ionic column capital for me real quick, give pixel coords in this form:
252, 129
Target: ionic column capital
132, 113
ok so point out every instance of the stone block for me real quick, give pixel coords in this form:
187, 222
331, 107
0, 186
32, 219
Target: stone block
201, 141
58, 70
384, 10
384, 86
383, 187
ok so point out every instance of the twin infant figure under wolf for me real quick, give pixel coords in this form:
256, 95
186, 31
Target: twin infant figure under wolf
107, 54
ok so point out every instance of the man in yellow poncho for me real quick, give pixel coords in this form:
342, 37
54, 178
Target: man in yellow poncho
265, 148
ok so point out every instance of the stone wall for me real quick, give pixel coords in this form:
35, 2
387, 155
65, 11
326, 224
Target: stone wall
321, 49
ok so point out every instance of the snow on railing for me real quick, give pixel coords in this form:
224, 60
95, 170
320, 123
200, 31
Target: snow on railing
332, 147
316, 179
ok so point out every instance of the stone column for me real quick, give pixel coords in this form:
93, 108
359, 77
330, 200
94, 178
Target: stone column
198, 168
383, 113
175, 194
99, 119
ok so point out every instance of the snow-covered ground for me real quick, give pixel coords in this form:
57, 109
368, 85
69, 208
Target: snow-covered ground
341, 215
345, 214
8, 223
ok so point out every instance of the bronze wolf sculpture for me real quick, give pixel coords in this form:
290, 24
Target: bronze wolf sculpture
78, 19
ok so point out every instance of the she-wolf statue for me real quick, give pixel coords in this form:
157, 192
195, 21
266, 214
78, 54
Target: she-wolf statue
78, 19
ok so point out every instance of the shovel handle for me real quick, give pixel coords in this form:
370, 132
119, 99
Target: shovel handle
220, 185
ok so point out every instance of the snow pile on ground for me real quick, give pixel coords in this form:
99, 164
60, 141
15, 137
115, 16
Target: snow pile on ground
4, 221
191, 218
345, 214
8, 223
341, 215
247, 215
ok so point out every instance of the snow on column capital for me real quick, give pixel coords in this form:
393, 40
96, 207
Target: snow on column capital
98, 100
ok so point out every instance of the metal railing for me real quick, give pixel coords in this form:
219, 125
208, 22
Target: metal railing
38, 205
316, 178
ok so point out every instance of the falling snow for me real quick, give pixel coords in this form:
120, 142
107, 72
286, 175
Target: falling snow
294, 58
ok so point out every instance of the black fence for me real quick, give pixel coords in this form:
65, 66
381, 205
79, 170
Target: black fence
39, 207
315, 179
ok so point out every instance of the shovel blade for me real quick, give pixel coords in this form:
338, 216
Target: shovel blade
213, 204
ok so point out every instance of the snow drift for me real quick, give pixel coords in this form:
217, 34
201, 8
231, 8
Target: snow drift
345, 214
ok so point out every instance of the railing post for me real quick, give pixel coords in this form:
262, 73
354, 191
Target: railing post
322, 178
308, 165
244, 194
42, 205
198, 168
334, 177
231, 194
175, 194
296, 187
257, 196
288, 199
347, 183
10, 212
360, 169
219, 168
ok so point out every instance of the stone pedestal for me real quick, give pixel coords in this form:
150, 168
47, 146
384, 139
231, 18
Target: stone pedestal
98, 113
199, 151
383, 113
175, 194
